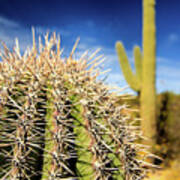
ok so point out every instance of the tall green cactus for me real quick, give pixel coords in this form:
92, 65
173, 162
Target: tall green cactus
143, 81
57, 121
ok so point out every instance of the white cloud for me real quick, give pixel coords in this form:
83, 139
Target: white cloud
10, 30
90, 23
168, 70
90, 39
168, 75
168, 67
8, 23
43, 30
173, 37
116, 78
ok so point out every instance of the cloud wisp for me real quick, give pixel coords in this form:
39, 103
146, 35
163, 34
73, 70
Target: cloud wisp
173, 37
168, 73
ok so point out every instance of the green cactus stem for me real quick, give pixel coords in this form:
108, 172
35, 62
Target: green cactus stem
148, 94
143, 81
134, 80
19, 133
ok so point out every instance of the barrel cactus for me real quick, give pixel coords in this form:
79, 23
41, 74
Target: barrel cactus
58, 121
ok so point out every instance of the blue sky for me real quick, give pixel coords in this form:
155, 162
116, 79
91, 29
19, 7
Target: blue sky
98, 24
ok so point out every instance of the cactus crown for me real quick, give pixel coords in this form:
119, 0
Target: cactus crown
57, 121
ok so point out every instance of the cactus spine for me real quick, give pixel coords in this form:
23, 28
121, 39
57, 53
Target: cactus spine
144, 80
57, 121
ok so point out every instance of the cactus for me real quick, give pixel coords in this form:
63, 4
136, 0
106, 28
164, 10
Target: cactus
57, 121
143, 81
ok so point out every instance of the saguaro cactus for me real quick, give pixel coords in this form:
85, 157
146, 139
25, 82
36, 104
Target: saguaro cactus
57, 121
143, 81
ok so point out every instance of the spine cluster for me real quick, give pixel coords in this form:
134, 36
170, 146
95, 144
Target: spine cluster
57, 121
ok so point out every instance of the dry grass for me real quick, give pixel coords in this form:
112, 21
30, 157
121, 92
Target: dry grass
171, 173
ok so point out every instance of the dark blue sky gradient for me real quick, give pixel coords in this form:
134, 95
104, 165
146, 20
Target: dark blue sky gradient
103, 23
112, 19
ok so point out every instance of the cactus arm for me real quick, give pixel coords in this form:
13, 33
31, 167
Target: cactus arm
138, 62
131, 79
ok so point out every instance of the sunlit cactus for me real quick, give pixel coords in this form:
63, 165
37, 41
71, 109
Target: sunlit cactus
144, 79
57, 121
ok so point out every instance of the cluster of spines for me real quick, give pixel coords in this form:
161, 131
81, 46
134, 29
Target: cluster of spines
63, 115
20, 130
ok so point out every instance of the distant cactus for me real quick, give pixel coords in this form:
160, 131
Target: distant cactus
57, 121
143, 81
134, 80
